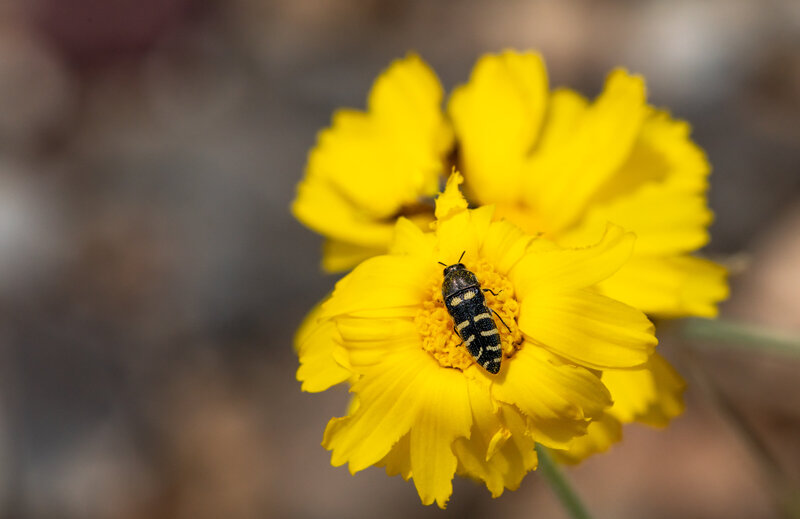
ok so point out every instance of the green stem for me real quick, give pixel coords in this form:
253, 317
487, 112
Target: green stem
563, 490
745, 336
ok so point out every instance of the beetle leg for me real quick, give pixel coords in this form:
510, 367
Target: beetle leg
492, 292
457, 335
501, 320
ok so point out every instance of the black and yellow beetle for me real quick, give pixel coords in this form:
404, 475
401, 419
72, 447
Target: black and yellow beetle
473, 323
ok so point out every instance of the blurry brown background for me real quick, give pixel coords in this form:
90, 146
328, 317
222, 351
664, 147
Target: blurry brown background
151, 276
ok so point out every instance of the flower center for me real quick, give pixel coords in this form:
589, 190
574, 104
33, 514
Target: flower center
436, 326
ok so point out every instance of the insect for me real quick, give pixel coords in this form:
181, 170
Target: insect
473, 323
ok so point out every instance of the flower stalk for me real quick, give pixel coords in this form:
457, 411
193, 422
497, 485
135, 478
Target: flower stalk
741, 335
560, 485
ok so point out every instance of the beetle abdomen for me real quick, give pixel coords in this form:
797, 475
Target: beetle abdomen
474, 324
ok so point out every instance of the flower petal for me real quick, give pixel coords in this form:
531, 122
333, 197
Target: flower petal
518, 455
390, 397
497, 117
463, 232
505, 244
653, 395
487, 436
451, 201
559, 399
498, 451
406, 101
323, 358
443, 416
673, 286
368, 165
370, 339
546, 268
389, 156
564, 175
383, 286
589, 329
398, 461
600, 436
410, 239
666, 221
565, 113
663, 154
338, 256
319, 206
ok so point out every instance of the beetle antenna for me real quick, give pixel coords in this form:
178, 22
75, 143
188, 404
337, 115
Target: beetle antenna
462, 255
440, 263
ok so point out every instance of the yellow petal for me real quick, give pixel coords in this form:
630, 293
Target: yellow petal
663, 154
393, 154
383, 286
457, 229
451, 201
505, 244
499, 451
463, 232
340, 255
406, 101
672, 286
653, 395
564, 116
410, 239
601, 435
487, 436
389, 400
308, 326
369, 165
517, 456
564, 174
398, 461
369, 340
319, 206
543, 270
665, 220
497, 117
559, 399
706, 285
323, 359
443, 416
589, 329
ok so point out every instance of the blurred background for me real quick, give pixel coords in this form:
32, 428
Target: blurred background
151, 276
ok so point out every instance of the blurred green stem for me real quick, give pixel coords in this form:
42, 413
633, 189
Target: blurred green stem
741, 335
552, 473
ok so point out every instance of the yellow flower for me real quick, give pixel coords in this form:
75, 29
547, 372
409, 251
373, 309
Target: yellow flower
555, 163
421, 405
371, 167
551, 162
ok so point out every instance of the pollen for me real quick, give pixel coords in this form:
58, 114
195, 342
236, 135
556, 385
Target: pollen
436, 326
